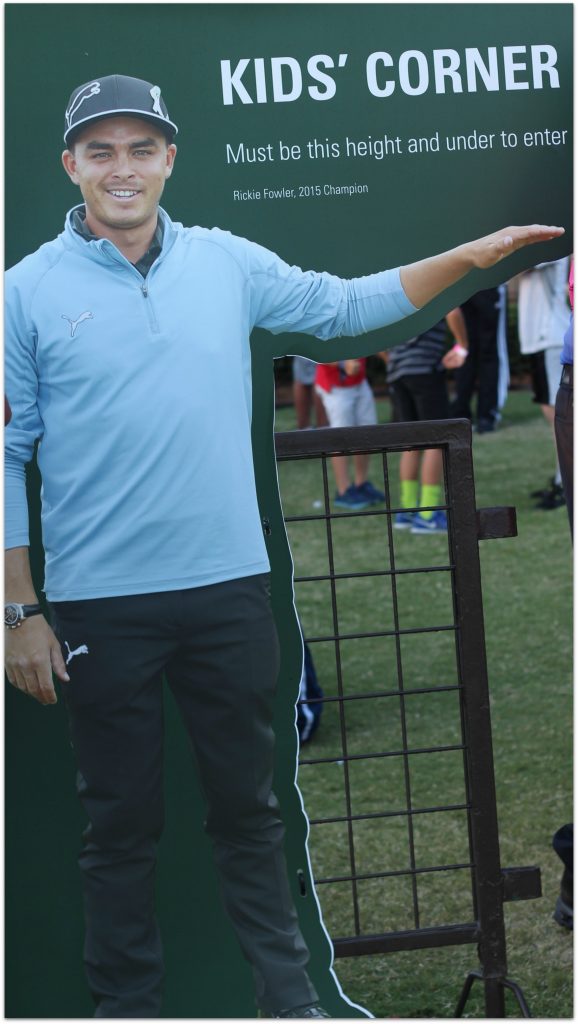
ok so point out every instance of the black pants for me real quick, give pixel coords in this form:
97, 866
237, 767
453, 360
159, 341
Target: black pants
217, 647
482, 314
420, 396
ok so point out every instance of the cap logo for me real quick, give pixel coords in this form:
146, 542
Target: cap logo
156, 95
89, 90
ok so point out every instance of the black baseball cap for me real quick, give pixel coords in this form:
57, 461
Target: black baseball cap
114, 96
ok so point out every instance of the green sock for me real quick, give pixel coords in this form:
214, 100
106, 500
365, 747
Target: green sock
430, 495
409, 493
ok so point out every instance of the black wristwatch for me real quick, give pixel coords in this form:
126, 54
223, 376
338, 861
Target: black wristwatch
14, 614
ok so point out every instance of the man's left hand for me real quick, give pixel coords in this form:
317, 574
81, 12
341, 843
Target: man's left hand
487, 251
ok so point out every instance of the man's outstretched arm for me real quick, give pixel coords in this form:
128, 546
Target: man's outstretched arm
426, 279
286, 298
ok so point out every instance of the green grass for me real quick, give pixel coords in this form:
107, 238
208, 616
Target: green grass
527, 589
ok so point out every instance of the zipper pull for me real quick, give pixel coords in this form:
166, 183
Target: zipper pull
144, 290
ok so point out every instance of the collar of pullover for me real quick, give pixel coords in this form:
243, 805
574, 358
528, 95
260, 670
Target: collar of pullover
79, 225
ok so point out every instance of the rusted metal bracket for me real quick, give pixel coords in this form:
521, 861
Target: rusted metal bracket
496, 523
521, 884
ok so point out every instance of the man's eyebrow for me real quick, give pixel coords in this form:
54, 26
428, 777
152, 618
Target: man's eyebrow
95, 144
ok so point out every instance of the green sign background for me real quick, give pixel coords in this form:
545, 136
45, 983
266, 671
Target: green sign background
410, 205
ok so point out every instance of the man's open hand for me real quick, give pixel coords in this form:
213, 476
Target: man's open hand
426, 279
488, 251
32, 654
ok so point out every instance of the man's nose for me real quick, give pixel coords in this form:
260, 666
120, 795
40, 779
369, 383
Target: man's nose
123, 166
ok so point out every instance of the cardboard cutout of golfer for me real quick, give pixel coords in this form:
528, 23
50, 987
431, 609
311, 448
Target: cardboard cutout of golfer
127, 355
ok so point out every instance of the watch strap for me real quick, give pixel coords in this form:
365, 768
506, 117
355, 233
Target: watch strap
31, 609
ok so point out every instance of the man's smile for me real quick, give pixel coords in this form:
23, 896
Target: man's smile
122, 193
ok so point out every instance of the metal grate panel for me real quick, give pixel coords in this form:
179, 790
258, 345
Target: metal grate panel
415, 677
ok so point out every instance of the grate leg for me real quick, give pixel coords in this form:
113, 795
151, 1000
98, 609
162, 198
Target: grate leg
494, 999
494, 993
466, 993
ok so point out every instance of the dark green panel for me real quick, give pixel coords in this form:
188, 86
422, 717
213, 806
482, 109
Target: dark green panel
415, 205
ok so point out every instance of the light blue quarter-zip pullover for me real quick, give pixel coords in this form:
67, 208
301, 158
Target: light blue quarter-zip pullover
139, 392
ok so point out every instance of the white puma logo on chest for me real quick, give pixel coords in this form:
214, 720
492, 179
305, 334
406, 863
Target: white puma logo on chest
74, 323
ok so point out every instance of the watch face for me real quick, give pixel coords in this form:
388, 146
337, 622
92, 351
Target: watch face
11, 615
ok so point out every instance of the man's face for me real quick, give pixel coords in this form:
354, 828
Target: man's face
120, 165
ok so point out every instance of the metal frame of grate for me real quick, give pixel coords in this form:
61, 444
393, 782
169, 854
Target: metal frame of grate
491, 885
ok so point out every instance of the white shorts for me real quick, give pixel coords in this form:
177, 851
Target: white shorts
349, 407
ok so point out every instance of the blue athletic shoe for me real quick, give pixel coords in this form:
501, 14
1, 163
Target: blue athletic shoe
403, 520
371, 493
352, 500
437, 524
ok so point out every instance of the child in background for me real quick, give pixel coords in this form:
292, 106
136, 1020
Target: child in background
416, 373
305, 398
349, 402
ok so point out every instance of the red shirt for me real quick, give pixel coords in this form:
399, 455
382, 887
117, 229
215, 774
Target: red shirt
329, 377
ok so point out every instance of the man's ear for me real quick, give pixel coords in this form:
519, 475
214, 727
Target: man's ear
171, 154
69, 164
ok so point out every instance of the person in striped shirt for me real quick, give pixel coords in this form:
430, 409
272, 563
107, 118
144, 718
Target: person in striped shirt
416, 375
